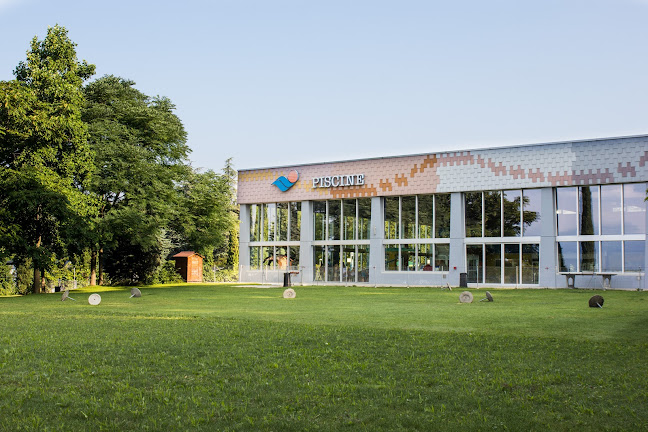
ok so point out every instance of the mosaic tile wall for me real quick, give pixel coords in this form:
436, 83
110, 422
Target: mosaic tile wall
614, 160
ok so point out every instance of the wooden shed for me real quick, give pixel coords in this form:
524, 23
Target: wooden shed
190, 266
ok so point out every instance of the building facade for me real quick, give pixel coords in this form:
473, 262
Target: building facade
545, 215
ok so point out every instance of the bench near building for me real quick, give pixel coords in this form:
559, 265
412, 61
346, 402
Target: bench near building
546, 215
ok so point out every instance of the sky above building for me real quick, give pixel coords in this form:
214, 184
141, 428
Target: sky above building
286, 82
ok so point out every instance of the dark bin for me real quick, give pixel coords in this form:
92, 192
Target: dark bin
286, 279
463, 280
57, 288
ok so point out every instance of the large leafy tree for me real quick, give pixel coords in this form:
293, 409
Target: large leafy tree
141, 156
44, 154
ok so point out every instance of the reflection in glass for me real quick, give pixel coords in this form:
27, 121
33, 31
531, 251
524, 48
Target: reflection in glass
407, 257
611, 209
493, 263
588, 256
634, 208
282, 221
333, 264
532, 202
364, 218
611, 256
567, 256
391, 258
349, 211
589, 210
512, 264
319, 263
295, 221
293, 252
635, 255
348, 264
511, 201
493, 214
363, 263
530, 263
281, 258
319, 216
441, 257
269, 220
567, 211
408, 216
255, 257
425, 257
425, 216
255, 222
391, 218
334, 217
442, 216
475, 268
267, 253
473, 215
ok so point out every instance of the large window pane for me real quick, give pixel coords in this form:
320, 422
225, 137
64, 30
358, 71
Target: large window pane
349, 211
282, 221
364, 218
425, 216
255, 222
474, 256
319, 216
512, 264
408, 216
493, 214
333, 264
348, 263
589, 210
334, 217
267, 253
635, 255
473, 213
269, 221
532, 203
391, 257
294, 258
319, 263
392, 230
363, 263
295, 221
441, 257
408, 255
425, 257
511, 201
611, 256
611, 209
281, 258
567, 211
494, 263
442, 216
634, 208
589, 256
255, 257
568, 256
530, 263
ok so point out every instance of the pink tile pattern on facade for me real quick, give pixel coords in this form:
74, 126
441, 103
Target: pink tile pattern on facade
559, 164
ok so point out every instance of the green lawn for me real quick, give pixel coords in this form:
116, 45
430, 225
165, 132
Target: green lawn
222, 357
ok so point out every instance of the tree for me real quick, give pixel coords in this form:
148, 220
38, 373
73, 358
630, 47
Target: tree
44, 152
141, 156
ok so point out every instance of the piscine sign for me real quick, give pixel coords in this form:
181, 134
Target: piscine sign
339, 181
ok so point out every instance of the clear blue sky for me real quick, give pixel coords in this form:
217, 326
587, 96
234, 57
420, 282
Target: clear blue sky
282, 82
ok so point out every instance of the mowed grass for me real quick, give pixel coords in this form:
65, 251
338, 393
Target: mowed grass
224, 357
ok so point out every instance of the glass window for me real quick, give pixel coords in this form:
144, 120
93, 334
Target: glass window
364, 218
349, 211
348, 263
474, 255
442, 216
531, 203
530, 263
567, 256
611, 209
268, 257
334, 217
512, 264
391, 258
282, 221
425, 216
441, 257
635, 256
293, 252
589, 256
611, 256
391, 218
255, 222
295, 221
566, 208
634, 208
333, 264
589, 210
255, 257
319, 263
319, 215
425, 257
493, 214
511, 201
269, 220
408, 216
281, 258
493, 263
363, 263
473, 210
407, 257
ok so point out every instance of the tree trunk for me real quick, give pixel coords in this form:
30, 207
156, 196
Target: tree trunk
37, 280
101, 281
93, 268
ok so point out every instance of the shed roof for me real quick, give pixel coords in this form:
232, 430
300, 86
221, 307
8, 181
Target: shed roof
185, 254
